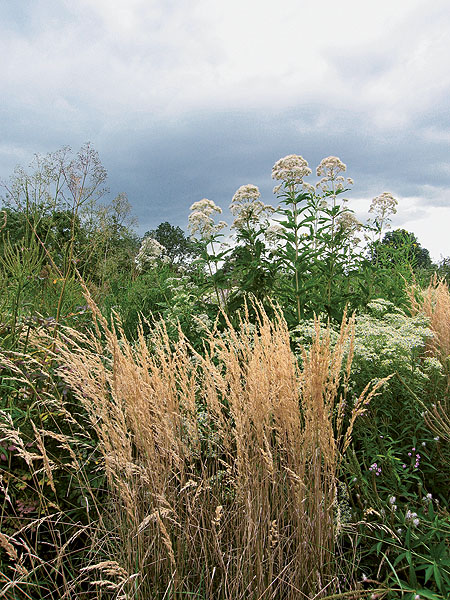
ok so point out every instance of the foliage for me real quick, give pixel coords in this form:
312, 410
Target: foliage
401, 246
178, 248
197, 432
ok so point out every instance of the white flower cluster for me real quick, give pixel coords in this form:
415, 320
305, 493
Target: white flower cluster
383, 205
388, 339
411, 517
247, 208
245, 194
180, 285
384, 340
291, 170
329, 168
349, 225
150, 254
273, 234
200, 220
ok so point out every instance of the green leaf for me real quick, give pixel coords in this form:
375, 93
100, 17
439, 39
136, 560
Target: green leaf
428, 594
437, 577
428, 573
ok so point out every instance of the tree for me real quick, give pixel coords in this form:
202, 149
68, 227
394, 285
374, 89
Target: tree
56, 202
401, 246
179, 249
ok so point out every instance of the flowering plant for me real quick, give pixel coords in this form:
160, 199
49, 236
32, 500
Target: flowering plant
150, 254
319, 235
206, 232
249, 266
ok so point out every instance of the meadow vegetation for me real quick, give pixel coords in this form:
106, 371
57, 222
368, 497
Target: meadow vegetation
262, 415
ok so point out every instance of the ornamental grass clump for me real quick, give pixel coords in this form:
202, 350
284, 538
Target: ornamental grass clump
434, 303
221, 467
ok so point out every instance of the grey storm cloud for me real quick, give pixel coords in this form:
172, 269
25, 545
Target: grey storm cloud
185, 102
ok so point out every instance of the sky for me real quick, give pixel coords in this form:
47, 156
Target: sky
187, 99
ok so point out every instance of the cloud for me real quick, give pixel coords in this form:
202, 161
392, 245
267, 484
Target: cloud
186, 100
167, 58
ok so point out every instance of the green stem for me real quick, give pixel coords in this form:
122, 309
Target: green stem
297, 286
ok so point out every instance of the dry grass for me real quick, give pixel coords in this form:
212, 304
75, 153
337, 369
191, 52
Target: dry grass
222, 467
434, 303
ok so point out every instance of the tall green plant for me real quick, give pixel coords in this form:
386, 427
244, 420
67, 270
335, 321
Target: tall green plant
250, 267
205, 232
318, 236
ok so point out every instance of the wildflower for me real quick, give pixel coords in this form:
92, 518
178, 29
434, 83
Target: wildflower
384, 204
246, 193
201, 221
349, 225
392, 500
375, 468
307, 187
412, 518
273, 233
247, 207
291, 169
205, 206
330, 167
436, 439
150, 252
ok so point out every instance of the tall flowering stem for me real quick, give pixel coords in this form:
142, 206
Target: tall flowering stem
320, 234
203, 228
383, 206
294, 195
335, 238
250, 263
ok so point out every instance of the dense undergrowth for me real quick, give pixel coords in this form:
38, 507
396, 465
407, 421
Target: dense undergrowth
181, 419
